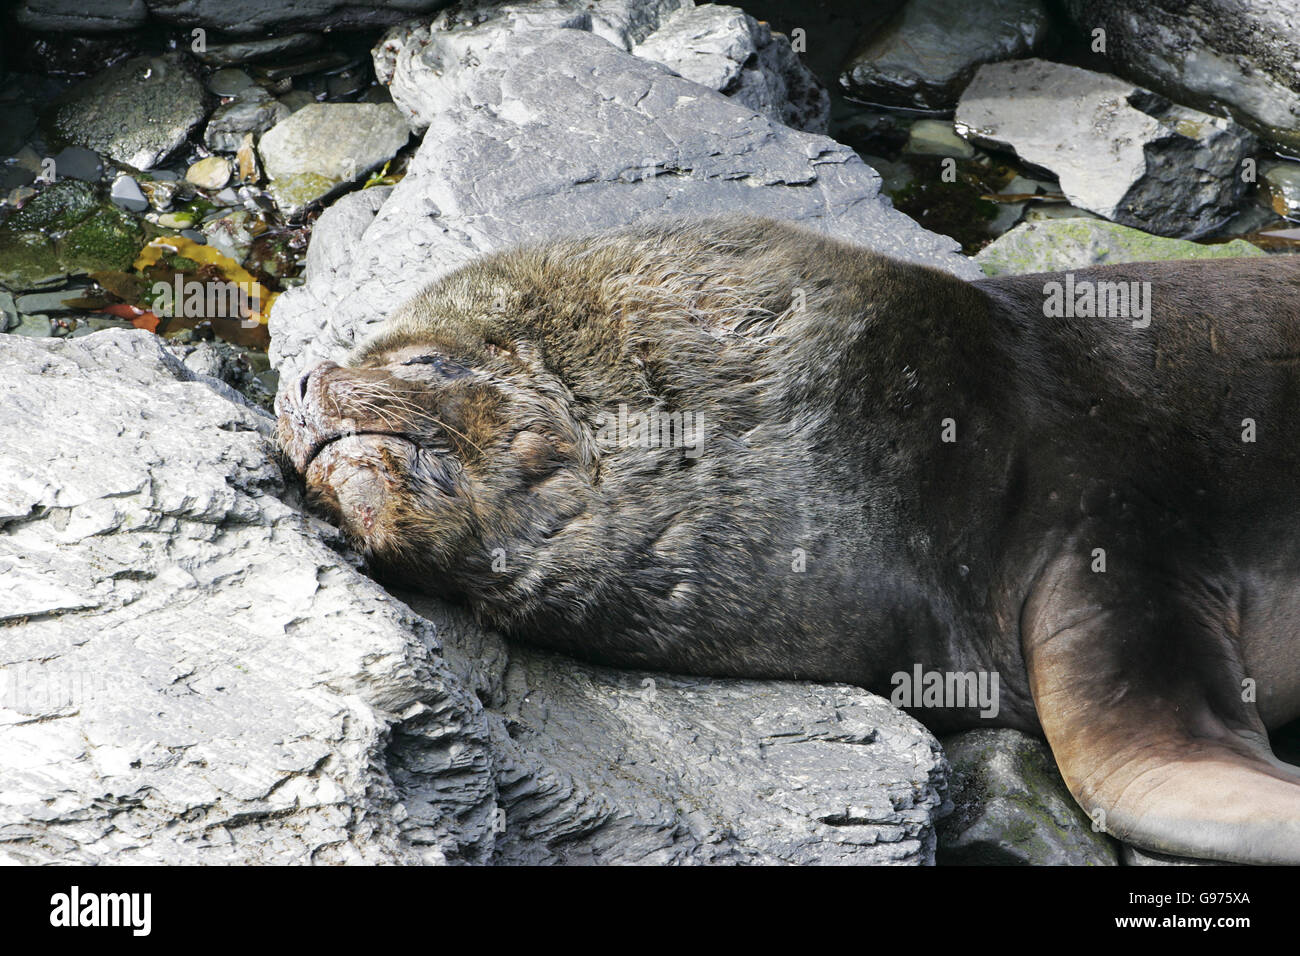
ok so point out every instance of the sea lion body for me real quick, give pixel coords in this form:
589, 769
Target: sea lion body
898, 471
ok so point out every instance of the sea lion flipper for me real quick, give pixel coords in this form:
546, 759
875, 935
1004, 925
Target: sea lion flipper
1138, 690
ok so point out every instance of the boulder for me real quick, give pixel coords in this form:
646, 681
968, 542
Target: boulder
1010, 806
137, 112
553, 131
924, 56
238, 17
195, 672
1056, 245
720, 47
1238, 58
1120, 151
727, 50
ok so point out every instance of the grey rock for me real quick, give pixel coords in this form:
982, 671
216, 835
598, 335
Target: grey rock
9, 317
253, 50
47, 303
229, 82
251, 18
422, 64
1240, 57
1058, 245
126, 193
252, 111
136, 112
727, 50
1119, 150
556, 132
1010, 806
325, 145
924, 57
168, 694
297, 99
77, 162
342, 226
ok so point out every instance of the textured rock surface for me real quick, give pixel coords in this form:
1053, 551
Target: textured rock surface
1010, 806
558, 131
191, 673
1232, 57
322, 146
1119, 150
727, 50
924, 57
233, 16
136, 112
1053, 245
251, 111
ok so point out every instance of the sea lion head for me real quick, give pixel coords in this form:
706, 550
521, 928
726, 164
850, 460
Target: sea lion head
435, 459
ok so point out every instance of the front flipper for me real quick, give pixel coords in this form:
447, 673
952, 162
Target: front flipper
1137, 680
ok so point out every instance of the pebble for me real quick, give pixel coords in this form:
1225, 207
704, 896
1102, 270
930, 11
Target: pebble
127, 194
77, 162
250, 170
160, 193
229, 82
297, 99
311, 63
210, 174
244, 51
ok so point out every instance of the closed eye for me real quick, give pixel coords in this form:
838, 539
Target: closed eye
443, 367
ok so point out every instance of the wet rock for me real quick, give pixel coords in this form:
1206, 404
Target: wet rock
924, 57
126, 193
1060, 244
137, 112
246, 163
229, 82
243, 18
168, 692
76, 162
937, 138
231, 235
1010, 806
9, 317
554, 132
252, 111
727, 50
325, 145
160, 192
209, 174
1119, 150
1281, 181
297, 99
253, 50
1236, 56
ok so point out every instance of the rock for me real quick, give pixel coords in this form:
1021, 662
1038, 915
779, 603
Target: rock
231, 235
9, 317
126, 193
168, 694
1241, 57
211, 174
420, 63
1056, 245
1010, 806
251, 51
1282, 183
245, 18
78, 163
557, 131
924, 57
727, 50
325, 145
252, 111
137, 112
1133, 856
229, 82
160, 192
296, 100
250, 170
1119, 150
937, 138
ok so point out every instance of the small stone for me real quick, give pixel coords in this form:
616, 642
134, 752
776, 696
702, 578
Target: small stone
1282, 181
210, 174
193, 235
77, 162
310, 63
8, 312
250, 170
252, 111
937, 138
297, 99
176, 220
229, 82
247, 51
127, 194
20, 195
12, 176
160, 193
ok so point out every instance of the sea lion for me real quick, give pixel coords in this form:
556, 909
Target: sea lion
893, 471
